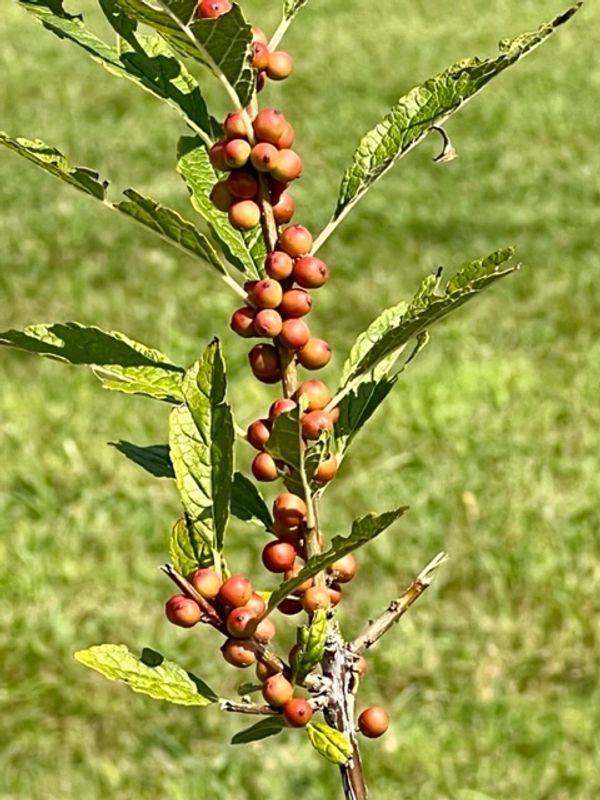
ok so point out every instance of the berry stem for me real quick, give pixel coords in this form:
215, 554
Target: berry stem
208, 610
280, 32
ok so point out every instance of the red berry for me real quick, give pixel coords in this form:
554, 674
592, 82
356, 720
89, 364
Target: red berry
234, 126
290, 606
265, 631
256, 604
294, 334
269, 125
264, 362
277, 690
297, 712
315, 598
210, 9
267, 293
310, 272
344, 569
263, 156
278, 265
238, 653
289, 509
260, 57
237, 152
244, 215
327, 469
258, 433
242, 322
287, 167
278, 556
284, 209
264, 467
281, 406
362, 667
335, 414
292, 573
241, 622
287, 533
287, 137
264, 671
220, 196
314, 393
295, 303
315, 423
315, 354
279, 65
335, 594
296, 240
276, 189
206, 582
258, 35
216, 156
242, 184
268, 323
261, 80
373, 722
236, 591
182, 611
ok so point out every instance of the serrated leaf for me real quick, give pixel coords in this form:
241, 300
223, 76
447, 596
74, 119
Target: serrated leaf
269, 726
292, 7
328, 742
396, 326
154, 676
53, 161
201, 437
311, 639
120, 363
247, 503
187, 549
223, 44
200, 177
154, 458
145, 61
363, 530
432, 103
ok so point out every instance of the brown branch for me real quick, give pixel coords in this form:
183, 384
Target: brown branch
397, 608
248, 708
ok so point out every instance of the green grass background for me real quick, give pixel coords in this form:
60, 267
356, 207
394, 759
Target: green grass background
492, 438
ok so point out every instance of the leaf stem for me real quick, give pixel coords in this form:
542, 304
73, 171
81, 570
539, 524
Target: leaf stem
280, 32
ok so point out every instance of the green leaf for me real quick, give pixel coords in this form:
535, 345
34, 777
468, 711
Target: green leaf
292, 7
145, 61
152, 674
168, 224
249, 688
328, 742
201, 440
120, 363
247, 503
285, 440
154, 458
223, 44
432, 103
311, 639
187, 549
393, 329
52, 161
198, 173
363, 530
269, 726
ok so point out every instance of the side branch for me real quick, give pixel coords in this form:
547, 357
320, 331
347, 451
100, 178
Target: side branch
397, 608
248, 708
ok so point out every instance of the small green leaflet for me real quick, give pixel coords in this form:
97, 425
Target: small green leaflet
247, 503
328, 742
396, 326
201, 437
120, 363
432, 103
269, 726
151, 674
363, 530
145, 61
292, 7
311, 639
198, 173
168, 224
223, 44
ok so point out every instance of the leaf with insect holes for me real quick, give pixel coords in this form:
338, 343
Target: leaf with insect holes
328, 742
432, 103
395, 327
201, 437
146, 61
363, 530
292, 7
120, 363
195, 168
151, 674
269, 726
223, 44
311, 641
168, 224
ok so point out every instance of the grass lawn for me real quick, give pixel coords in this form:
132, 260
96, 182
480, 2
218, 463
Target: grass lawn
492, 437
